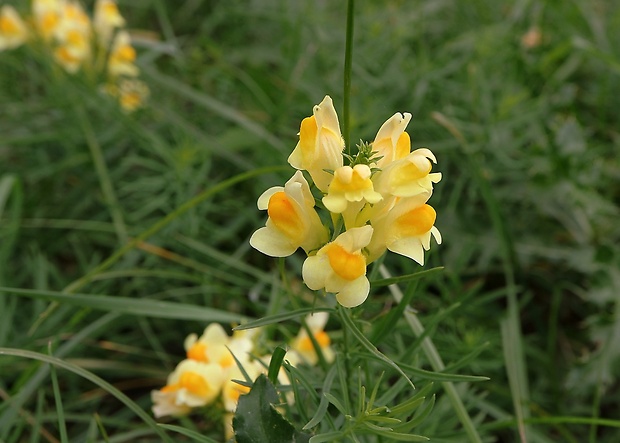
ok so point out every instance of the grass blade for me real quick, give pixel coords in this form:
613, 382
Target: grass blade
93, 378
132, 306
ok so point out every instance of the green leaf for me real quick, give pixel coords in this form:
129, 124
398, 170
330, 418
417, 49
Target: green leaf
196, 436
329, 436
137, 409
257, 420
274, 365
277, 318
134, 306
323, 405
348, 322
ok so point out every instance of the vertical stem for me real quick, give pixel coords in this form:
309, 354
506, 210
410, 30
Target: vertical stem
348, 54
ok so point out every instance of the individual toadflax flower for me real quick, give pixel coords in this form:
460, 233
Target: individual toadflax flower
320, 144
121, 60
130, 93
46, 17
13, 30
392, 142
406, 229
106, 18
350, 184
216, 346
293, 222
190, 385
73, 35
302, 344
408, 176
340, 267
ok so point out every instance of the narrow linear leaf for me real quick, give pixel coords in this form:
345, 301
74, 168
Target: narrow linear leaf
93, 378
346, 319
134, 306
323, 405
188, 433
277, 318
429, 375
275, 364
329, 436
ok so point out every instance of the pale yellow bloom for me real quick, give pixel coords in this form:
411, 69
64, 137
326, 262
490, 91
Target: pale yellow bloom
106, 19
47, 15
350, 184
190, 385
392, 142
73, 36
302, 344
320, 144
13, 30
340, 267
406, 229
293, 222
408, 176
216, 346
121, 60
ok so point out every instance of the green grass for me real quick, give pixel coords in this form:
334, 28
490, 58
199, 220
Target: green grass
527, 140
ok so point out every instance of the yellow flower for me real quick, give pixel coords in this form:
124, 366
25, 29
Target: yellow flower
190, 385
216, 346
408, 176
13, 31
47, 14
340, 267
106, 19
406, 229
302, 344
293, 222
350, 184
122, 56
392, 142
320, 144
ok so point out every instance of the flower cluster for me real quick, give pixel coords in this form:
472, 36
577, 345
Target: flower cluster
213, 364
99, 46
376, 201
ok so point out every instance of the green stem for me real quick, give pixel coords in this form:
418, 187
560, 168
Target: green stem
435, 360
104, 177
348, 54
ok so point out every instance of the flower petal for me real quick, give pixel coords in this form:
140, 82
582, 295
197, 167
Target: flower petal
315, 271
272, 243
354, 293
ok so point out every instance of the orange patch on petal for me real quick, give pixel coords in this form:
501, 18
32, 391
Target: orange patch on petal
416, 222
126, 53
307, 138
8, 26
194, 383
198, 352
345, 264
282, 213
170, 388
321, 337
403, 146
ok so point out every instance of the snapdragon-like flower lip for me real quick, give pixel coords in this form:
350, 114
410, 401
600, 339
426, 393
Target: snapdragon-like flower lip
340, 267
293, 222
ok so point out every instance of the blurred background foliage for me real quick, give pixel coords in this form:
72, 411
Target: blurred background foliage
518, 100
